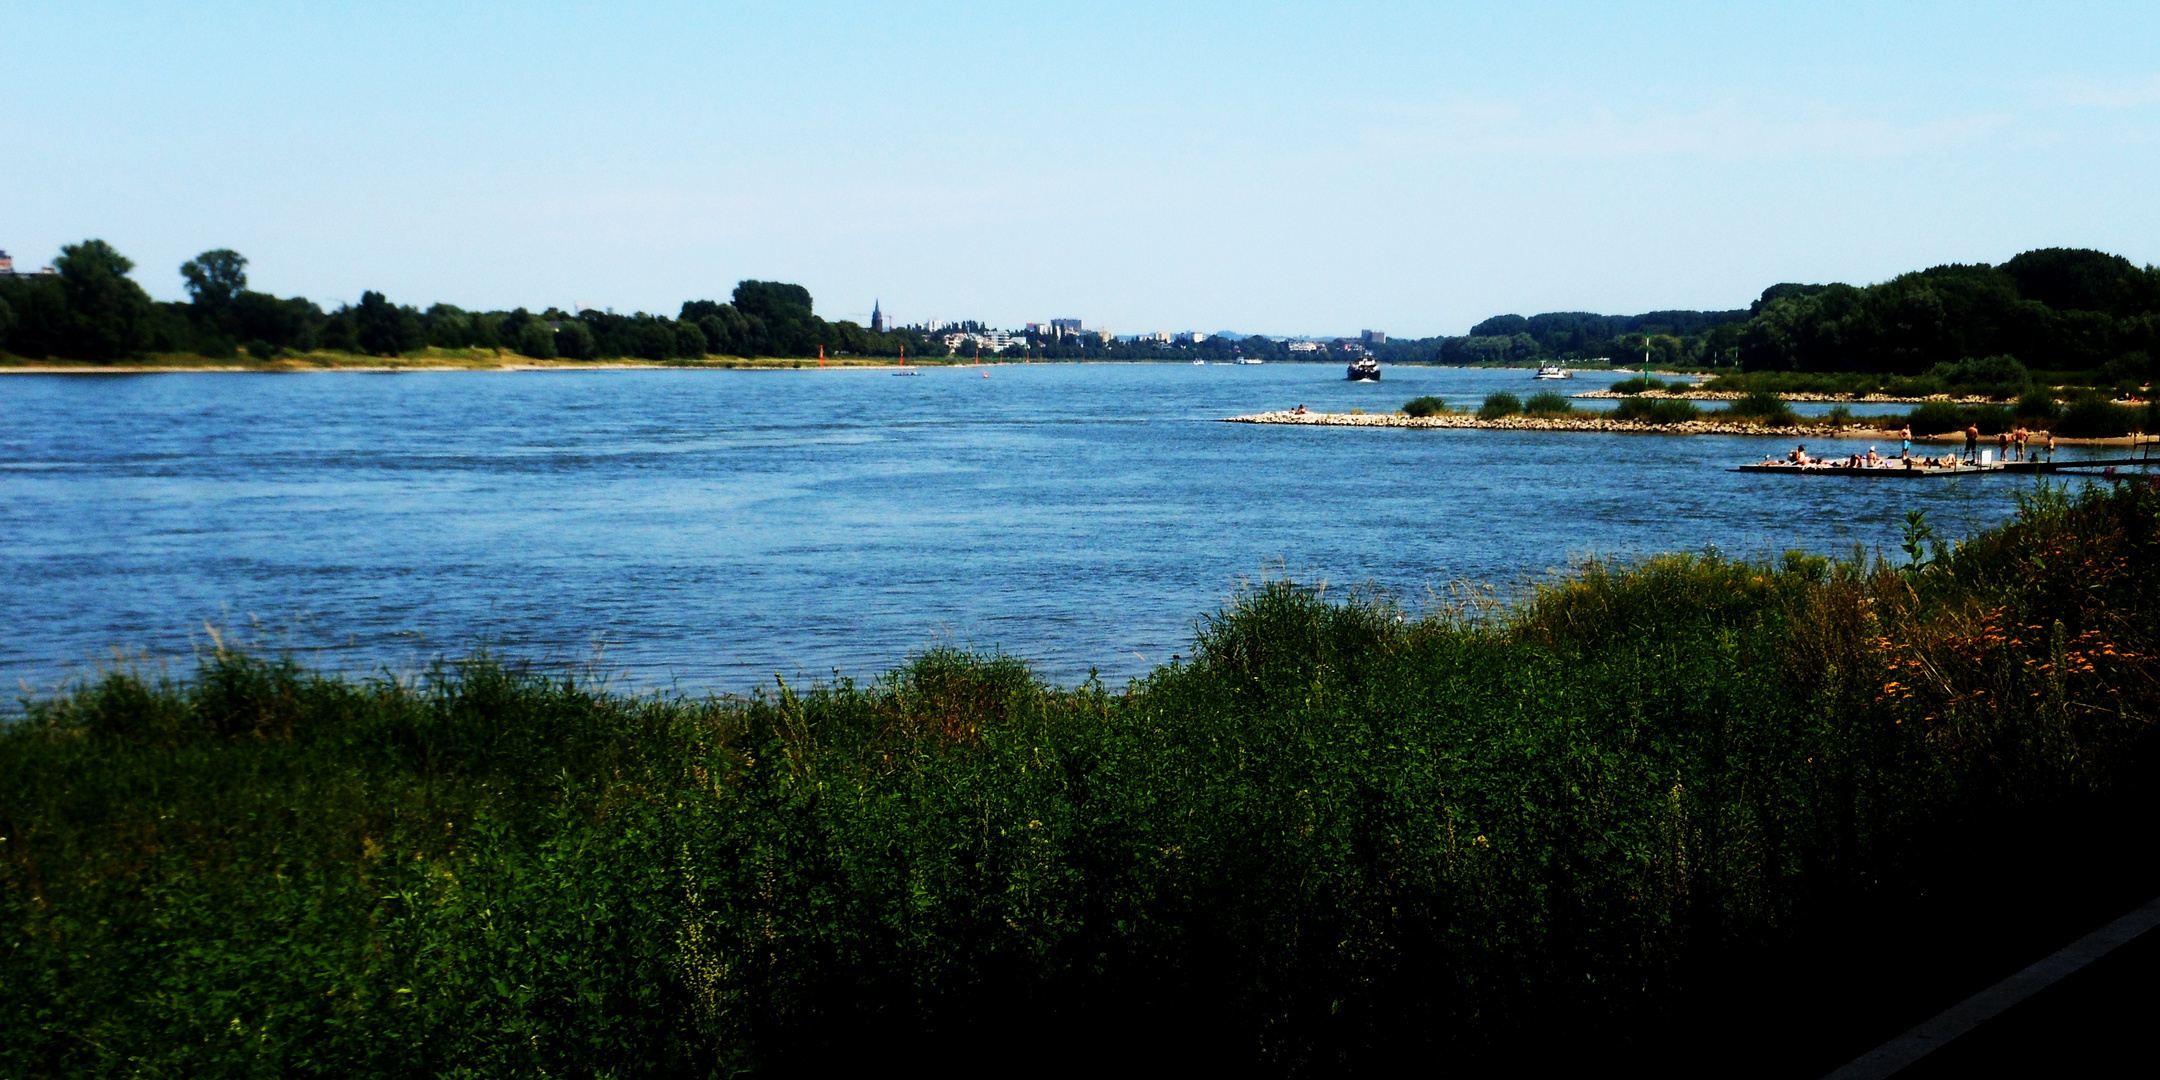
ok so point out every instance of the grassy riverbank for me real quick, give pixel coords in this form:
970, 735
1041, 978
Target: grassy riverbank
430, 358
1669, 810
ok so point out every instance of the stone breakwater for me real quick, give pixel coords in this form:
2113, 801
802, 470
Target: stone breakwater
1848, 399
1556, 423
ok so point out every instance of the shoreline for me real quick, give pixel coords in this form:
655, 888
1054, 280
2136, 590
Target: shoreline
1803, 396
1599, 424
433, 361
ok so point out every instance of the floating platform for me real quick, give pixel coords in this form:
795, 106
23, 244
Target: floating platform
1896, 469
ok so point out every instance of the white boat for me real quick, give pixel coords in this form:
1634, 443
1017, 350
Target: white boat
1552, 371
1251, 360
1199, 363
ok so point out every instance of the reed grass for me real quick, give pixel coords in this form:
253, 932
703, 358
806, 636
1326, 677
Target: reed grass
1656, 410
1761, 407
1499, 403
1339, 836
1548, 403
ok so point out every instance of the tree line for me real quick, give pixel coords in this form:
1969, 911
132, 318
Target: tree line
2053, 309
2066, 310
91, 309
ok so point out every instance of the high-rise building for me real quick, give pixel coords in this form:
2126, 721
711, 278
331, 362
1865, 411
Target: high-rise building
877, 318
1372, 337
1062, 327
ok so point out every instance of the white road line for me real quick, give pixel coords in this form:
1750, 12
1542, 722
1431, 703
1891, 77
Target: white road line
1978, 1009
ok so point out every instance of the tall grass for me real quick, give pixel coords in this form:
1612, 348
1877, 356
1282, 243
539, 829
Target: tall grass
1548, 403
1822, 382
1337, 837
1499, 403
1639, 383
1424, 406
1759, 406
2093, 416
1656, 410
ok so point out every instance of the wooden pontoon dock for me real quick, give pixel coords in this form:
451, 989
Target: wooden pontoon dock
1898, 468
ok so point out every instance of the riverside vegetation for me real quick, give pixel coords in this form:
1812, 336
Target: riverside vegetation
1651, 808
2087, 318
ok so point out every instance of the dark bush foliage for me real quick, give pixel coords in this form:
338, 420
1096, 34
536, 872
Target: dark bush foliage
1498, 404
1657, 410
1424, 406
1760, 406
1337, 838
2096, 417
1548, 403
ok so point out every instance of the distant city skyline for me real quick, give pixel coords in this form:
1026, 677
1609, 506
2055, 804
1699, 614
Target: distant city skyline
1275, 170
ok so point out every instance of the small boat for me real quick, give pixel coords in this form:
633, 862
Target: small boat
1552, 371
906, 371
1251, 360
1199, 363
1365, 369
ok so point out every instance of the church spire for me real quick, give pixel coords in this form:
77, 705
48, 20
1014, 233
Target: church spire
877, 318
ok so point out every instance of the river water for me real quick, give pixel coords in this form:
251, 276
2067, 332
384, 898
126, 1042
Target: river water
702, 530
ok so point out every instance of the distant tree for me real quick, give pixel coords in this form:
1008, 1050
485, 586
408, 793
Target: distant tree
2073, 278
447, 326
214, 278
339, 332
780, 319
288, 323
1501, 326
536, 340
384, 329
726, 330
1780, 292
108, 314
7, 322
651, 338
689, 340
574, 340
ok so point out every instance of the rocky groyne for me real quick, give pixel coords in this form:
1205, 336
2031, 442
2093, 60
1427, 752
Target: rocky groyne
1834, 399
1558, 423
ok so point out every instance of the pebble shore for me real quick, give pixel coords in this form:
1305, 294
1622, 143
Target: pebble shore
1848, 399
1555, 423
1585, 422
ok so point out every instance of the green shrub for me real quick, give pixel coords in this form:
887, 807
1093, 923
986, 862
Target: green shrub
2037, 405
1656, 410
1498, 404
1937, 418
1945, 417
1838, 416
1997, 373
1760, 406
1919, 386
1638, 384
1356, 836
2094, 417
1424, 406
1548, 403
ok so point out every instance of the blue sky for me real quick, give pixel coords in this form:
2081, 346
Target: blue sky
1267, 168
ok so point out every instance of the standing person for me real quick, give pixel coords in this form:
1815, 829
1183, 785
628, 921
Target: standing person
1905, 440
2051, 446
2021, 436
2002, 446
1972, 441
